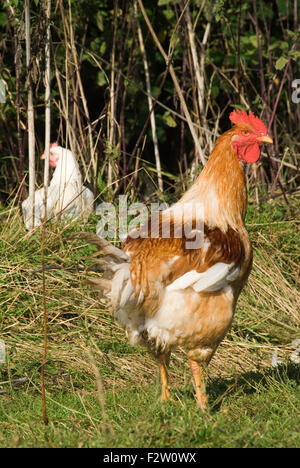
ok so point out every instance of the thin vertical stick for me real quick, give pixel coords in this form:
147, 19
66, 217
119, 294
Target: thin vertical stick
18, 68
70, 130
183, 158
150, 102
30, 116
83, 98
111, 113
46, 177
47, 100
199, 70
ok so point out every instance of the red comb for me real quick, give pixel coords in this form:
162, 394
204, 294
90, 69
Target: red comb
241, 116
53, 144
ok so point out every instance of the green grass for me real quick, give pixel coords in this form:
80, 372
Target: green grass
256, 410
117, 404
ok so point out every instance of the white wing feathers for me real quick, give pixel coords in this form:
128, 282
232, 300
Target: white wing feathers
213, 279
122, 291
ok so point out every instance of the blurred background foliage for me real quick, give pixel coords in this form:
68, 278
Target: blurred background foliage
247, 55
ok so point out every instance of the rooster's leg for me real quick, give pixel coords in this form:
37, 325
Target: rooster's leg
198, 362
199, 379
163, 360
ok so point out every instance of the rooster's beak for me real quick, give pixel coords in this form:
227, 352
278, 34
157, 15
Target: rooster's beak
43, 156
265, 139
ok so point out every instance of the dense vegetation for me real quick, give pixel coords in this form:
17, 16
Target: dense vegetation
242, 53
100, 391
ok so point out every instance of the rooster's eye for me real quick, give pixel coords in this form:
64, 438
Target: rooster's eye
245, 132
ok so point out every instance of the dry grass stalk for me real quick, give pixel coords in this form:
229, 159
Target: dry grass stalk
150, 102
176, 84
100, 392
199, 73
82, 94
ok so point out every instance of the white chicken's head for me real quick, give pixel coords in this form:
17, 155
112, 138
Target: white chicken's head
56, 153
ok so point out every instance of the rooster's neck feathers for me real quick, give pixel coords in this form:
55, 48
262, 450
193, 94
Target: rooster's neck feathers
221, 188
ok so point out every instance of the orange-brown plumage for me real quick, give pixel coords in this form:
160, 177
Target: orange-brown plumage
166, 294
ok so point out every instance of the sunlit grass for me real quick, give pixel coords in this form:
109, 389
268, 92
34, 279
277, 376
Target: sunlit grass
251, 403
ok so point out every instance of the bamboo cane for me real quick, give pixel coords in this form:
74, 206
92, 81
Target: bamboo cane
30, 116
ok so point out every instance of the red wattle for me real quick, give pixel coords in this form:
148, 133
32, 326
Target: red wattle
252, 153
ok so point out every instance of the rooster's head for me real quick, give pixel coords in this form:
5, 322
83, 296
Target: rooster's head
249, 132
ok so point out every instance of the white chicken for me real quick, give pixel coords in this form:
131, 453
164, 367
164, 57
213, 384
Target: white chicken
66, 195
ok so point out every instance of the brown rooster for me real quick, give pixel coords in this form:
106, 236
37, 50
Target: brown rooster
165, 294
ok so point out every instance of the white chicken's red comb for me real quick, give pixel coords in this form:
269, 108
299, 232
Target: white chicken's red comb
53, 144
241, 116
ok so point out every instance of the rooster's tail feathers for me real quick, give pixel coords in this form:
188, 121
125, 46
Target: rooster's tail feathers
115, 285
105, 247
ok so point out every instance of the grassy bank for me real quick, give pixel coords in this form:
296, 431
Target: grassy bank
102, 392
